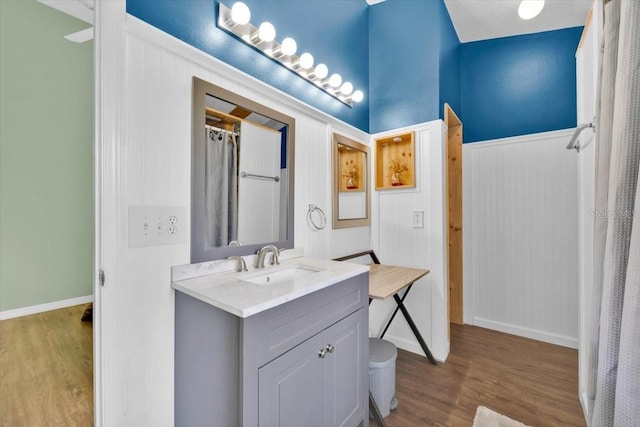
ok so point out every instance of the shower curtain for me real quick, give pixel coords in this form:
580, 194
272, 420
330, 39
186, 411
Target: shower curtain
614, 383
221, 187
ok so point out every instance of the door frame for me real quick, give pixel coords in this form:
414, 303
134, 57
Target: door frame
454, 215
110, 161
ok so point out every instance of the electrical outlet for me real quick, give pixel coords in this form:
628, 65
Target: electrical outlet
157, 225
418, 219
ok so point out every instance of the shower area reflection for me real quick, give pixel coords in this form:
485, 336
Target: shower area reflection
221, 185
245, 176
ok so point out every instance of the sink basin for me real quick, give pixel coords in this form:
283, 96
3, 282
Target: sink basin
282, 275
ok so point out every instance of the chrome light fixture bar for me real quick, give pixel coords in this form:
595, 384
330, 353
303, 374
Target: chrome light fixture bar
236, 21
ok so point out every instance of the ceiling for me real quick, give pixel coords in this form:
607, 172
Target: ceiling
472, 19
490, 19
80, 9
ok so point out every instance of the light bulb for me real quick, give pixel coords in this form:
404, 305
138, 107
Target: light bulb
266, 32
357, 96
346, 88
530, 8
240, 13
335, 80
306, 60
321, 71
289, 46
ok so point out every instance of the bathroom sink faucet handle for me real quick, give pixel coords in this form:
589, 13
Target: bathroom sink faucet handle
275, 257
262, 253
243, 265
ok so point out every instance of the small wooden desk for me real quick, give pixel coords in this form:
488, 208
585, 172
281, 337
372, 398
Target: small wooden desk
388, 280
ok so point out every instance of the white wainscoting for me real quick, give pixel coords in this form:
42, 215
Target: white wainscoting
521, 236
396, 242
148, 163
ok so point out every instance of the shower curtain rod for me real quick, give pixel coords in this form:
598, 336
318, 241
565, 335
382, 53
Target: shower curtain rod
572, 143
222, 130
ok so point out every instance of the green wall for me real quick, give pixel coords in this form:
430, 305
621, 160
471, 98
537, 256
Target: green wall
46, 157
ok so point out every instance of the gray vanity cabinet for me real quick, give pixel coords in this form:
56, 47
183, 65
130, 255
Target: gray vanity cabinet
302, 363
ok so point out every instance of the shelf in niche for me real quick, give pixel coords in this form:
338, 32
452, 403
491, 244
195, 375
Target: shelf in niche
395, 154
351, 162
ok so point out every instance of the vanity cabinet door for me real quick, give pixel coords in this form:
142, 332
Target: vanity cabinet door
344, 370
290, 387
318, 383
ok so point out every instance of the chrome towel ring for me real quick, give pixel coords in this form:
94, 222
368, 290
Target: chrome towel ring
316, 217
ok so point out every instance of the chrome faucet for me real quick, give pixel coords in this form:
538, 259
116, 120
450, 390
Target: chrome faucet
262, 253
243, 265
235, 243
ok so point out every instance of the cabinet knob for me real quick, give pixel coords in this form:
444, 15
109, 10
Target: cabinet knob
322, 354
329, 348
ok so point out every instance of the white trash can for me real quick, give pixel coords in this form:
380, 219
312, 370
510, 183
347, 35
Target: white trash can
382, 374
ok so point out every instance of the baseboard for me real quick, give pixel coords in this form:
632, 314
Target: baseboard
535, 334
584, 401
41, 308
414, 347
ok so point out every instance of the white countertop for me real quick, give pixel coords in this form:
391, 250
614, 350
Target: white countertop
231, 292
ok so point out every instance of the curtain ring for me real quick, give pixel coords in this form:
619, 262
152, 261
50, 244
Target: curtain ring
320, 222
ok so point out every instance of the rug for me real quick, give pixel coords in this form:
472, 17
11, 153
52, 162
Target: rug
485, 417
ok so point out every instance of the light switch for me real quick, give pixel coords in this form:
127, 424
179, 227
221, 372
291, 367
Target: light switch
418, 219
157, 225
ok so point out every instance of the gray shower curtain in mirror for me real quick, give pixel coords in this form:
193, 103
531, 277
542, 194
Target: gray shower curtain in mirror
614, 383
221, 187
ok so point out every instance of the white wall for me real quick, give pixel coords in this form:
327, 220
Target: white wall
144, 87
586, 81
396, 242
521, 237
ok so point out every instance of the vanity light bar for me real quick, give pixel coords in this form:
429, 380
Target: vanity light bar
236, 20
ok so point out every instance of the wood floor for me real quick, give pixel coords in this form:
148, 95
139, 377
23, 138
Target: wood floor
46, 377
529, 381
46, 370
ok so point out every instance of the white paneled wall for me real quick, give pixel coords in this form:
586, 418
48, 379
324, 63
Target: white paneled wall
152, 158
396, 242
521, 236
586, 82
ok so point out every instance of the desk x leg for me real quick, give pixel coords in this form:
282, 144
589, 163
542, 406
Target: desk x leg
400, 306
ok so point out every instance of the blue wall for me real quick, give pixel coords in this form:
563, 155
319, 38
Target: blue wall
449, 65
404, 55
336, 32
403, 63
410, 42
519, 85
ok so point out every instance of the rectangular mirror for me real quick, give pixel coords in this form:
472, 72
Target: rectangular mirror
242, 175
350, 176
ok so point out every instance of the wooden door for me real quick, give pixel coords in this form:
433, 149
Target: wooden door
454, 210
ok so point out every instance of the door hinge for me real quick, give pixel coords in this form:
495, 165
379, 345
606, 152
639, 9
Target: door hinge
101, 277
